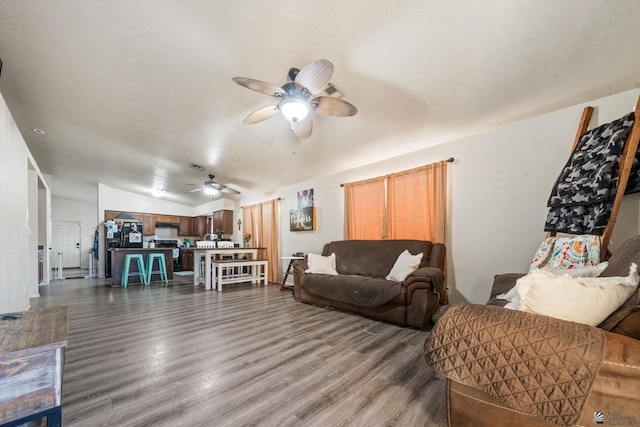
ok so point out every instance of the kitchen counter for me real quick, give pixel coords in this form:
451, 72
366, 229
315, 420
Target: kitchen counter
117, 259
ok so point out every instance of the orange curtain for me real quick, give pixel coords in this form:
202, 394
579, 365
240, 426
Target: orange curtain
406, 205
261, 221
417, 203
364, 205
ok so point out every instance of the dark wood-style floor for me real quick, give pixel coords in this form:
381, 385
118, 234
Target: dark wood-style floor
179, 355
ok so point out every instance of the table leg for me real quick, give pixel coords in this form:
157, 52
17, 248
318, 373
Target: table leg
218, 278
207, 271
196, 270
284, 279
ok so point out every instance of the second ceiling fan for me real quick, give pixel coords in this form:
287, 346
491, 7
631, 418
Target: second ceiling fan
212, 186
299, 96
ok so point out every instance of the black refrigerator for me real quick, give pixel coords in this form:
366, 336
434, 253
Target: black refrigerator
127, 234
131, 234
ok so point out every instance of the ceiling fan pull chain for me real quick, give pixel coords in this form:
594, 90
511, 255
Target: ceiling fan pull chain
293, 130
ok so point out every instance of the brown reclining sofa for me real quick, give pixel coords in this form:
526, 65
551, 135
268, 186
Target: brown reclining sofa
361, 287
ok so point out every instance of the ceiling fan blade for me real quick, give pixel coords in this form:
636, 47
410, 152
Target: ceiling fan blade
303, 128
216, 185
330, 106
315, 76
259, 86
229, 190
261, 114
194, 190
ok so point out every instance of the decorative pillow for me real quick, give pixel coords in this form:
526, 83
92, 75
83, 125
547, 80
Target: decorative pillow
587, 300
578, 271
322, 264
567, 252
405, 265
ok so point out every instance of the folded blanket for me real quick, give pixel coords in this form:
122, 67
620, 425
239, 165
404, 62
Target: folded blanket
581, 199
535, 364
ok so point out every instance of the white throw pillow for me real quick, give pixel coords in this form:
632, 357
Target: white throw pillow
591, 271
587, 300
321, 264
405, 265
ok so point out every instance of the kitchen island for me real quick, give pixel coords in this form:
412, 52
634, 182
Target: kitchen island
117, 259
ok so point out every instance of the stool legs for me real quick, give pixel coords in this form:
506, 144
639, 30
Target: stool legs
162, 267
141, 270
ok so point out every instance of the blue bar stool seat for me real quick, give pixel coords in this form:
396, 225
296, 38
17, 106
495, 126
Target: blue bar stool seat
128, 258
162, 267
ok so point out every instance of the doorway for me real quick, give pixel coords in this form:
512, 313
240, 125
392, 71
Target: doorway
65, 246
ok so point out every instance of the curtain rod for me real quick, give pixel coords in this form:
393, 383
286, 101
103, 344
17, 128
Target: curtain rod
242, 207
449, 160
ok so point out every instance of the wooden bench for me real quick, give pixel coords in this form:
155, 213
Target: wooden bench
257, 270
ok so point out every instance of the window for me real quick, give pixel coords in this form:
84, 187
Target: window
405, 205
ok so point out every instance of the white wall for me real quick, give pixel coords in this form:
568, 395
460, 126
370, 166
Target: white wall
498, 188
17, 253
32, 234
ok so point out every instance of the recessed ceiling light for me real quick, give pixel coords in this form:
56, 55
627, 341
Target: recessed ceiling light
158, 192
36, 130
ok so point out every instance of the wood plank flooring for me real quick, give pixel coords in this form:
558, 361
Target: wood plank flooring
179, 355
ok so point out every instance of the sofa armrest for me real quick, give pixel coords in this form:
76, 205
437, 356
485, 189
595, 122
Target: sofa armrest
502, 283
503, 352
426, 277
299, 268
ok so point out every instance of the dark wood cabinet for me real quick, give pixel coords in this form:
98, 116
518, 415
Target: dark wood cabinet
201, 226
223, 222
109, 215
186, 259
186, 226
169, 219
148, 224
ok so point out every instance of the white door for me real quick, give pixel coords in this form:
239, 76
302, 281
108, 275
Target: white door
66, 241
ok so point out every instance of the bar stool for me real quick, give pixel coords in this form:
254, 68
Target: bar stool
128, 258
162, 267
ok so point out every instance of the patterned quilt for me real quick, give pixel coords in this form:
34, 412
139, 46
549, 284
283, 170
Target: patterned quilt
536, 364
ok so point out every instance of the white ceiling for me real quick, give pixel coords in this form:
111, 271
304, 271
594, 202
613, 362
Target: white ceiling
131, 92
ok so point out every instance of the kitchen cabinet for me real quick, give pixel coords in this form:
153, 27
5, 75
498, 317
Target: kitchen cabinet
223, 222
109, 215
201, 226
186, 226
186, 259
148, 224
168, 219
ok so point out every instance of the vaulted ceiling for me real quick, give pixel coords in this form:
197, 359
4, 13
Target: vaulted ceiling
130, 93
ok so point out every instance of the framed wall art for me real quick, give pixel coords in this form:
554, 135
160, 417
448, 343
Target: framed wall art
305, 198
303, 219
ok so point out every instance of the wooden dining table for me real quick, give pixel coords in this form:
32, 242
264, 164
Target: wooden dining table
209, 255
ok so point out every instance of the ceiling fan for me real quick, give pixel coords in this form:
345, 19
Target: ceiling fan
302, 93
211, 186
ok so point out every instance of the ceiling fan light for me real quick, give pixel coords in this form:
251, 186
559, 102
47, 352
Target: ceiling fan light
294, 109
211, 191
